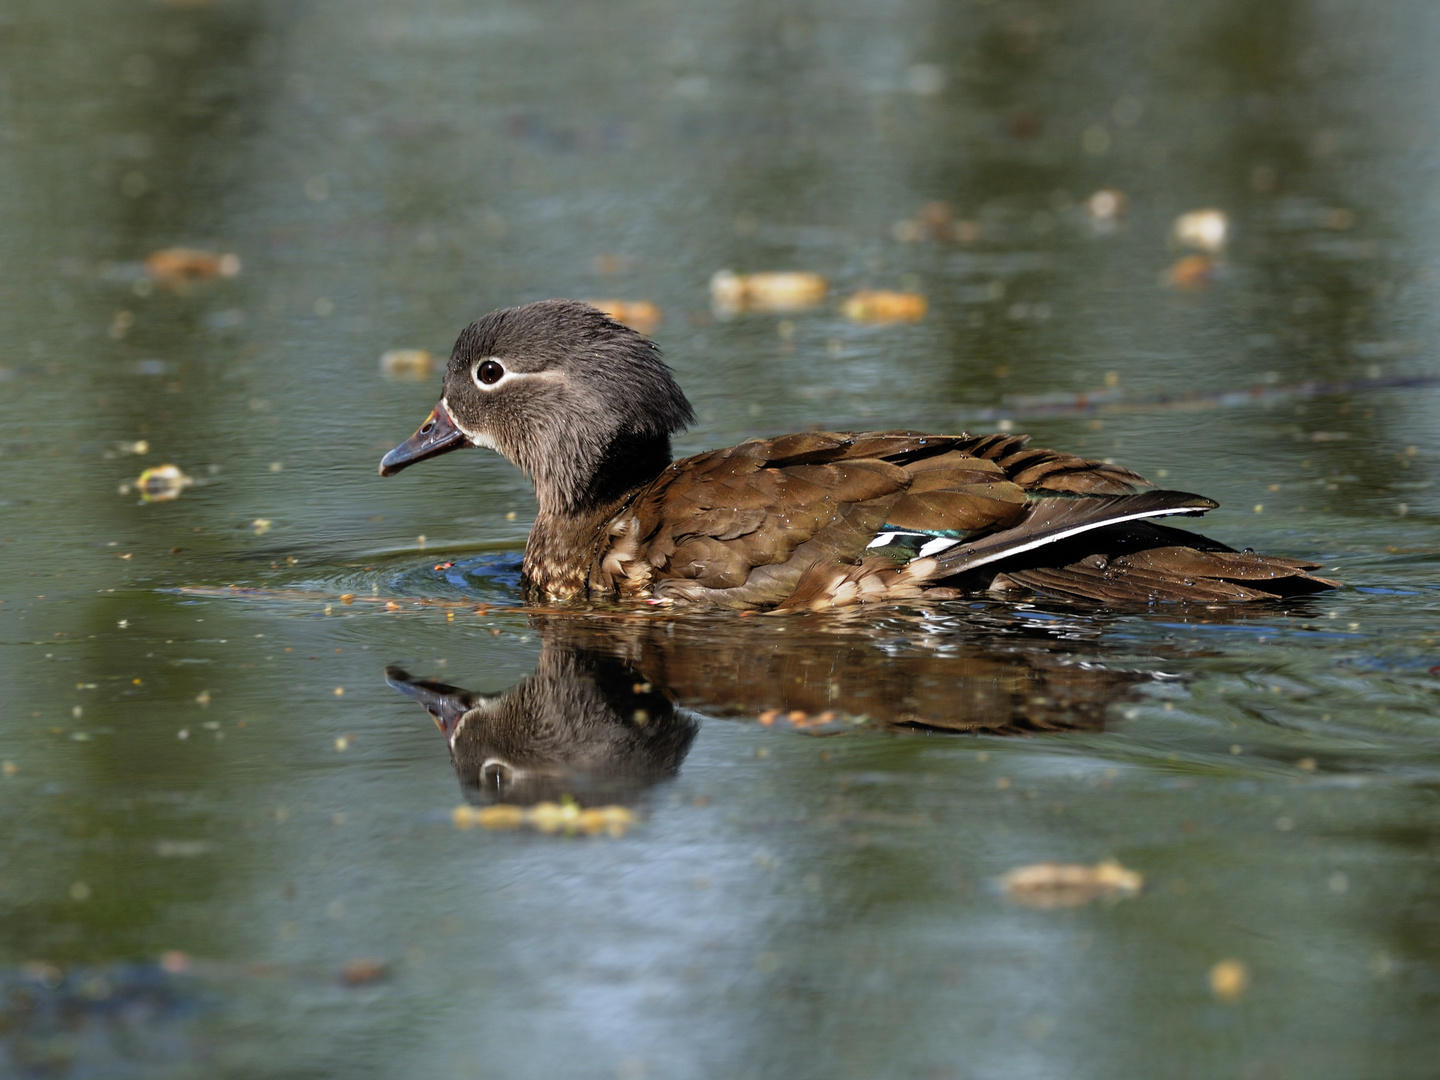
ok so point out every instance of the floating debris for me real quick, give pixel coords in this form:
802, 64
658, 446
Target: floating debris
1338, 218
1206, 230
261, 526
162, 483
876, 306
407, 364
363, 971
610, 264
1105, 208
640, 315
732, 294
175, 962
805, 721
935, 221
1057, 885
1229, 979
181, 849
547, 817
1192, 273
181, 266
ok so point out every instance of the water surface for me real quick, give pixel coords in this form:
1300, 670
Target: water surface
215, 805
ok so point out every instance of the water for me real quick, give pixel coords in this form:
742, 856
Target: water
214, 804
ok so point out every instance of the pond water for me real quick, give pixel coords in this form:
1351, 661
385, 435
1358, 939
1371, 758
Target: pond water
232, 844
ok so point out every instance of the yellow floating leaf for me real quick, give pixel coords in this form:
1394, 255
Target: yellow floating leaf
502, 816
407, 364
463, 816
796, 290
880, 306
1229, 979
162, 483
1055, 885
548, 817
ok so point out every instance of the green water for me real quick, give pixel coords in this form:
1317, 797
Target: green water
224, 772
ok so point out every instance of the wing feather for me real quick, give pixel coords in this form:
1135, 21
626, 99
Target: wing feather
786, 522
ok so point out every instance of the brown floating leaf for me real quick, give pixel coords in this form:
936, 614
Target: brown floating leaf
407, 364
363, 970
640, 315
732, 293
879, 306
178, 265
162, 483
1056, 885
610, 264
1192, 273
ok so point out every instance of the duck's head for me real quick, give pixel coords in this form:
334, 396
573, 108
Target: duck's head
584, 725
581, 403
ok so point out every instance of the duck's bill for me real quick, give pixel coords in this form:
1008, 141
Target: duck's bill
446, 704
437, 435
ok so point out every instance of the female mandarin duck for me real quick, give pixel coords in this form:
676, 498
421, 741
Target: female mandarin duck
586, 407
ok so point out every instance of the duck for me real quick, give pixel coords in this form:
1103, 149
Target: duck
586, 407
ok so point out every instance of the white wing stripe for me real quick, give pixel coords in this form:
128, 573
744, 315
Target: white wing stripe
938, 544
1005, 553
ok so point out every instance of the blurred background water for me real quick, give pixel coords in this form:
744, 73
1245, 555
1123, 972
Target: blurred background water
229, 844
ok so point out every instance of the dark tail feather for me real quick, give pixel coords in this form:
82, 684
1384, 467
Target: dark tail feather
1144, 563
1055, 520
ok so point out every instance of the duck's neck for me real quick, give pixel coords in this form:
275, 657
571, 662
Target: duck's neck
566, 536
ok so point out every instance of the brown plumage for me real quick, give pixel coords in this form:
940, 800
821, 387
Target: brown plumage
586, 407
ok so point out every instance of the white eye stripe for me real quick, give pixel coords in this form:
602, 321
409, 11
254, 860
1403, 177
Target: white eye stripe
508, 375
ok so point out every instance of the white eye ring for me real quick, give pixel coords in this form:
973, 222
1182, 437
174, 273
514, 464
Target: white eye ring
488, 373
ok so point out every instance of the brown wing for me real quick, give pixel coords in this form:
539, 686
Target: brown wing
739, 527
744, 526
788, 522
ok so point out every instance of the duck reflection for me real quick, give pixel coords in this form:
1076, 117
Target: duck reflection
584, 726
604, 715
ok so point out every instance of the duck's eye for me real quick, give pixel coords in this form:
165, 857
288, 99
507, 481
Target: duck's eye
490, 372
